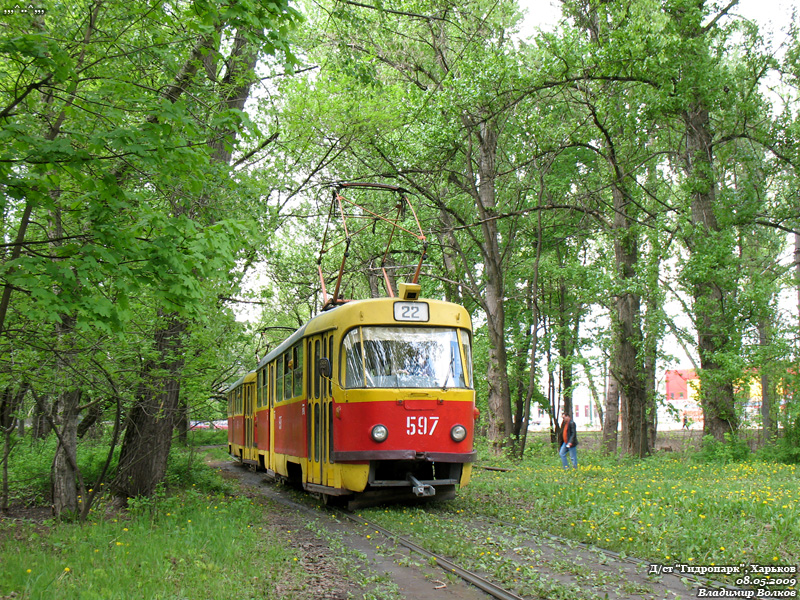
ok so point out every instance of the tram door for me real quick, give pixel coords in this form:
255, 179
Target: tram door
249, 390
319, 410
326, 393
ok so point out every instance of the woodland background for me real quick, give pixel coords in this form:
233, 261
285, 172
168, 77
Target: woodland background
158, 157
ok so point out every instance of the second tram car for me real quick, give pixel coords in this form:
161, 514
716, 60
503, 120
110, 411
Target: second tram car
370, 400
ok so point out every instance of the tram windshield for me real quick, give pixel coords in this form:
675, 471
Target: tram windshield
407, 357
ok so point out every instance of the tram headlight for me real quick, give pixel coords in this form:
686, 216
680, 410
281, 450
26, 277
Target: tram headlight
380, 433
458, 433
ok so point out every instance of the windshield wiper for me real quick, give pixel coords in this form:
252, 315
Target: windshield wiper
450, 369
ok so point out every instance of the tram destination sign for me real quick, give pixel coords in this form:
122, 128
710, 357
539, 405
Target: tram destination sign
411, 311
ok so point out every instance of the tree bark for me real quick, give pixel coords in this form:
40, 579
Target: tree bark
610, 422
716, 390
10, 405
63, 473
797, 272
500, 420
148, 433
768, 427
628, 339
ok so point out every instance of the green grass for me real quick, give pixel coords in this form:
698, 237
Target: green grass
663, 510
194, 541
197, 541
666, 509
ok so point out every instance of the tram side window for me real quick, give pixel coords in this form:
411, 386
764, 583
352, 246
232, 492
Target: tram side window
271, 398
315, 360
288, 369
354, 369
297, 357
279, 377
265, 390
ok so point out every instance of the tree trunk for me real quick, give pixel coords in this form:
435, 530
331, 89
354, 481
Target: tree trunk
150, 423
651, 406
628, 339
797, 272
716, 389
63, 473
610, 422
10, 405
452, 289
500, 420
768, 427
182, 421
566, 349
148, 433
623, 412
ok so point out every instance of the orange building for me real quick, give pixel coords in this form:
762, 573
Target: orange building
682, 392
683, 400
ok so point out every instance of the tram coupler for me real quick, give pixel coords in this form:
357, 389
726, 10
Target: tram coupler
420, 489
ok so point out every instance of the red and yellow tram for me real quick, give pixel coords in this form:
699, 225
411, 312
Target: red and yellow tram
370, 400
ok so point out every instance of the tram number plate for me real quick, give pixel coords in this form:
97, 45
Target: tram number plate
421, 425
411, 311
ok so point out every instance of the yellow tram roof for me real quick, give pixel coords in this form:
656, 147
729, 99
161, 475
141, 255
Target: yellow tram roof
248, 378
374, 311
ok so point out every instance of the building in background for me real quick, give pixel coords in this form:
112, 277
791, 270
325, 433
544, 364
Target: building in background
681, 408
678, 405
682, 400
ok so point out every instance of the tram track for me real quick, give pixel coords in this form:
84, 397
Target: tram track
525, 565
483, 584
309, 511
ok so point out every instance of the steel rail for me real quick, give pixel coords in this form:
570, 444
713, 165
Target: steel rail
479, 582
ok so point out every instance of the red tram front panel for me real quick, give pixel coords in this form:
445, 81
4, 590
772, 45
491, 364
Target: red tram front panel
414, 427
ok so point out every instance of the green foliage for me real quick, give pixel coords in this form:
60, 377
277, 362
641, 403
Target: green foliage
732, 450
786, 447
29, 471
118, 124
186, 469
191, 536
207, 437
31, 459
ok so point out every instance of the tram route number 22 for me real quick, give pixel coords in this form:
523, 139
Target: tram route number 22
421, 425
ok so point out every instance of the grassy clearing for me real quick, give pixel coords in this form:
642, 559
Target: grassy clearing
666, 509
661, 509
199, 542
192, 543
